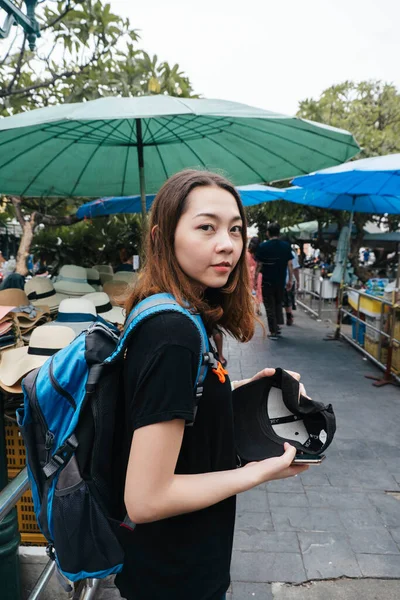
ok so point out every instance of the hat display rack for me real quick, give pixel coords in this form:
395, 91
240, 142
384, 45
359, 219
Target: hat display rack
48, 314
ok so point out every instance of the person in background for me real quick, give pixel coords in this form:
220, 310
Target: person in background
289, 296
13, 281
274, 257
252, 265
126, 259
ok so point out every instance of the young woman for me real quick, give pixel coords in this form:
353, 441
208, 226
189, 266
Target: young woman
181, 480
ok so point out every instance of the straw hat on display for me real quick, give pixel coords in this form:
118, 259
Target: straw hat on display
41, 292
72, 281
28, 316
44, 342
105, 271
93, 278
76, 313
10, 333
104, 308
129, 276
117, 291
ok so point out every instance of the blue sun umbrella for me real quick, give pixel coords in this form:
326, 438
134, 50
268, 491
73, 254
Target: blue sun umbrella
250, 195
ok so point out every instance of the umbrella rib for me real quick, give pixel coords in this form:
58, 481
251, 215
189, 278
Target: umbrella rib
169, 119
159, 153
189, 148
33, 148
238, 157
92, 155
128, 149
300, 145
265, 149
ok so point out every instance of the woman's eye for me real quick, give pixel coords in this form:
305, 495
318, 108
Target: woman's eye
206, 227
237, 229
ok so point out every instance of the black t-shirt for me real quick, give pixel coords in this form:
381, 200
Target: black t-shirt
187, 556
274, 256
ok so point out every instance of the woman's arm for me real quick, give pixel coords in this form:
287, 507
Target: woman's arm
153, 491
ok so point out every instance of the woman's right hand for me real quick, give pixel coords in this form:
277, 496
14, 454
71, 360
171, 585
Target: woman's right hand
278, 467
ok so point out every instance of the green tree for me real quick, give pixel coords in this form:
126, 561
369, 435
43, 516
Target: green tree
85, 52
371, 111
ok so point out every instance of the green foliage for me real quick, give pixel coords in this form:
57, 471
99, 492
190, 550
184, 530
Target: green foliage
371, 111
85, 52
89, 242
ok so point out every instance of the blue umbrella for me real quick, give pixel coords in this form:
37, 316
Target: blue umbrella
368, 203
379, 176
250, 194
113, 206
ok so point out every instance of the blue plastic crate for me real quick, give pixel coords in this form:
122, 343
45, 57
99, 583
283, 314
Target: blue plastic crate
361, 331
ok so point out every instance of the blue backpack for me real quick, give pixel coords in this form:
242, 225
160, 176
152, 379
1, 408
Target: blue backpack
72, 424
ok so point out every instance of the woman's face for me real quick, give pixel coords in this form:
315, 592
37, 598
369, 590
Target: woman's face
208, 237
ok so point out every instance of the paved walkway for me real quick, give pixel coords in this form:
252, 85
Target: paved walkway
342, 518
303, 538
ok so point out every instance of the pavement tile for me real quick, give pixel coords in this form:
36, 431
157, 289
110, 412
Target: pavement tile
254, 500
305, 519
256, 521
252, 540
379, 565
372, 541
315, 476
395, 533
328, 555
334, 497
292, 485
251, 591
282, 499
267, 567
388, 507
360, 518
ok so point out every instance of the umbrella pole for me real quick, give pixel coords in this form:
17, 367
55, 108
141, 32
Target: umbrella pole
139, 139
343, 279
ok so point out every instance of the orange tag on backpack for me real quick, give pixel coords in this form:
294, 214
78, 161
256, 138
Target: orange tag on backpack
220, 373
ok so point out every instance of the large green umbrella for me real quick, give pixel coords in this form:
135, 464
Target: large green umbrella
120, 146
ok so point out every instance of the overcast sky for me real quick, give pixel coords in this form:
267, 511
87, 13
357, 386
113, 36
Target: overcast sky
271, 54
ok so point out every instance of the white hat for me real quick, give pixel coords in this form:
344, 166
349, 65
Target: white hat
41, 292
72, 281
44, 342
76, 313
104, 308
128, 276
104, 269
93, 279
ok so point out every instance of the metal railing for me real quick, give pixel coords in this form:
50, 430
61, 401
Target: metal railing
9, 496
317, 295
379, 342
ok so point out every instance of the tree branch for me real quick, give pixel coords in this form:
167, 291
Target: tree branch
49, 82
18, 67
59, 18
16, 202
55, 221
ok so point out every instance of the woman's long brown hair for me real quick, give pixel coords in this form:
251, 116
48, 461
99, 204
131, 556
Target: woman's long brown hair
230, 307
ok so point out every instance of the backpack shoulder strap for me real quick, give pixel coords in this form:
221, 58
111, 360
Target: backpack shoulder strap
156, 304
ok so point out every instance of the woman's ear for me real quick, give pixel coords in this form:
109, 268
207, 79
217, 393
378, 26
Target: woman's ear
153, 232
